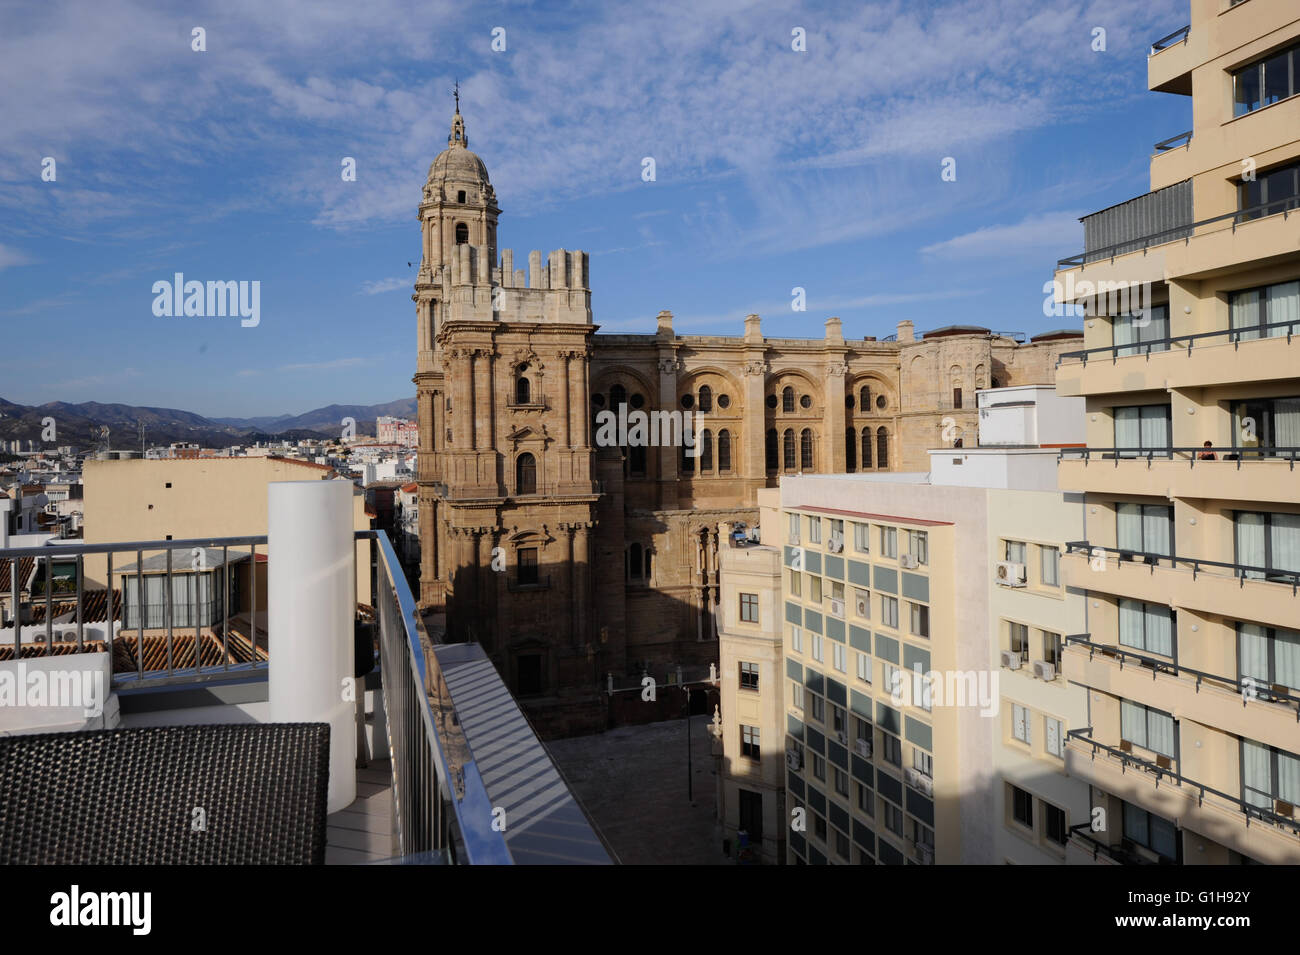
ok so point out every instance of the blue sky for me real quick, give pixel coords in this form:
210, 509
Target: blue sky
774, 169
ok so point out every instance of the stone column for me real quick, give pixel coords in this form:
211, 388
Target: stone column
582, 568
667, 402
833, 458
568, 398
462, 407
754, 464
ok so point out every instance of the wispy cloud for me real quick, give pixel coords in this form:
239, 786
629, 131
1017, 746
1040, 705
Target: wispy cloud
10, 257
325, 365
1050, 230
379, 286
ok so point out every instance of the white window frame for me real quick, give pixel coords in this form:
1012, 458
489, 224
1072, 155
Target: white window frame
1022, 723
839, 657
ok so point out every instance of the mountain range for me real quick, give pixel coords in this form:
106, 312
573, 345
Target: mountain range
75, 424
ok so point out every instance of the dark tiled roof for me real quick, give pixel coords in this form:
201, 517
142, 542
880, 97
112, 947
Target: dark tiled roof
25, 566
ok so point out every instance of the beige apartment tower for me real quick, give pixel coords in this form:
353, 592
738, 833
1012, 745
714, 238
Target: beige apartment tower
1191, 563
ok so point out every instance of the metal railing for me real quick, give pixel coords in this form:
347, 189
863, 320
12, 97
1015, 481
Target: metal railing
1173, 142
1235, 335
1192, 454
116, 607
1240, 572
1256, 689
1167, 41
441, 808
1127, 760
1184, 232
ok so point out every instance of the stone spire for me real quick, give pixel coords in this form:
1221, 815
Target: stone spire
457, 136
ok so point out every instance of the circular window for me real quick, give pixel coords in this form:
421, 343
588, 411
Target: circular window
724, 401
638, 400
598, 400
771, 401
848, 402
688, 401
880, 401
805, 401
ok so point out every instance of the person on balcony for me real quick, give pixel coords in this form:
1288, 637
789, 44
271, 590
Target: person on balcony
1207, 454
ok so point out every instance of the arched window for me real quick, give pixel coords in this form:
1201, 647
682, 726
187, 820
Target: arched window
525, 474
617, 396
864, 399
882, 448
773, 462
688, 462
866, 449
787, 449
523, 391
706, 451
850, 449
787, 400
724, 450
805, 450
462, 233
634, 561
706, 399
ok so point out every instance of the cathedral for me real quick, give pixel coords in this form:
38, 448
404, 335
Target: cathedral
570, 562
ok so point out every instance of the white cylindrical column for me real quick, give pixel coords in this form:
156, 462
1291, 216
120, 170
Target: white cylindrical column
311, 598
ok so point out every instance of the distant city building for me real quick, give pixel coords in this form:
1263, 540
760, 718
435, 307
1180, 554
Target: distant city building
397, 431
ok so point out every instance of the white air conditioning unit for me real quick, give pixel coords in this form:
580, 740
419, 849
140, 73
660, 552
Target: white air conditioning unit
925, 855
919, 781
835, 544
1010, 574
864, 747
793, 759
837, 608
908, 561
1044, 670
843, 738
1010, 660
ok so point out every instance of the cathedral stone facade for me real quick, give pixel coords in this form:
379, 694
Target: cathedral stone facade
571, 562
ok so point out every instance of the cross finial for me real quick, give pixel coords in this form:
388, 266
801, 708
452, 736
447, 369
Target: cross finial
456, 93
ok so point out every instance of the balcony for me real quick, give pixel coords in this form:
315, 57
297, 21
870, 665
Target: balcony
1267, 714
1223, 817
1206, 359
1208, 586
1153, 238
429, 769
1265, 475
1170, 62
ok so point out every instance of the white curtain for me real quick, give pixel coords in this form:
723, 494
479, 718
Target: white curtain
1125, 335
1286, 651
1156, 524
1160, 630
1133, 723
1160, 733
1128, 431
1128, 526
1155, 427
1130, 624
1283, 306
1257, 772
1286, 423
1159, 327
1244, 313
1288, 778
1254, 652
1250, 542
1286, 541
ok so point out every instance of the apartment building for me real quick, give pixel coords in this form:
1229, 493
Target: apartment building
1191, 560
914, 646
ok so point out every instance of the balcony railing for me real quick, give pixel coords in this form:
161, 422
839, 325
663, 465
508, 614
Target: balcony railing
188, 652
1173, 142
1241, 572
1167, 41
1129, 760
1255, 689
1191, 455
1182, 231
1234, 335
